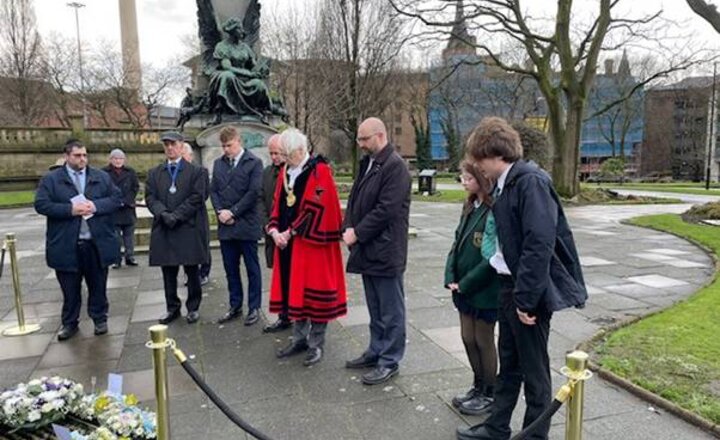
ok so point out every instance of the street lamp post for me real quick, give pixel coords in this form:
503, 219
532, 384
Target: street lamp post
77, 6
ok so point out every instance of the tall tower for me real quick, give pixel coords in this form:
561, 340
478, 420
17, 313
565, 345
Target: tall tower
461, 42
130, 44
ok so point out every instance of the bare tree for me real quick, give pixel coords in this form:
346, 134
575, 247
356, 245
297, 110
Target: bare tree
707, 11
22, 89
106, 91
338, 63
563, 54
364, 40
60, 72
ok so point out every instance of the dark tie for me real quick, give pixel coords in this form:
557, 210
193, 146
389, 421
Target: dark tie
173, 167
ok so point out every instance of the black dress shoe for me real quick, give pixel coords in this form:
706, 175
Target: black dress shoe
204, 280
361, 362
66, 333
192, 317
380, 375
252, 317
462, 398
277, 326
230, 315
477, 432
169, 317
314, 355
101, 328
131, 262
476, 406
291, 350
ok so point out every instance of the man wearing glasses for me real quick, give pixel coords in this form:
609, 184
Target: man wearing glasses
376, 231
176, 191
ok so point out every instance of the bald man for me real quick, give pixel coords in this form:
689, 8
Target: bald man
376, 231
269, 181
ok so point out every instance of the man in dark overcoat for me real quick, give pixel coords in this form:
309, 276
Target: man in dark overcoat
269, 183
234, 190
79, 202
175, 194
376, 230
539, 271
125, 218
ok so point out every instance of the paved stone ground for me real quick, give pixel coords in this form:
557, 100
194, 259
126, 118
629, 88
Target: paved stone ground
629, 271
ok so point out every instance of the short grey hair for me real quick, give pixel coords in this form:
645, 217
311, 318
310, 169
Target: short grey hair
293, 139
117, 153
188, 148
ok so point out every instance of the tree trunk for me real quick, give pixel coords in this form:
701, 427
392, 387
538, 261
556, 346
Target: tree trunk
565, 168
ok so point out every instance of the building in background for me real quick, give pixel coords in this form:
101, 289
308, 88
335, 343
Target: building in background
676, 131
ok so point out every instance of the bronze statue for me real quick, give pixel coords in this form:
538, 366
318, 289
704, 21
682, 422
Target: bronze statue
237, 84
237, 77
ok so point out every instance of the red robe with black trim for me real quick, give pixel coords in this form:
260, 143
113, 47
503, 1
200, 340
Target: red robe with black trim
317, 276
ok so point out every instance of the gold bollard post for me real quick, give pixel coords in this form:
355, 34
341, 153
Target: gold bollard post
22, 328
158, 343
576, 363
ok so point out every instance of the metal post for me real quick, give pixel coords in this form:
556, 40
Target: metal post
22, 328
576, 363
712, 136
158, 336
77, 6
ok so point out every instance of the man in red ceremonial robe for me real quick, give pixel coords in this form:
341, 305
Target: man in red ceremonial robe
308, 279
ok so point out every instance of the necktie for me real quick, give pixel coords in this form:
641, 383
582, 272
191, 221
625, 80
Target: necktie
78, 182
173, 167
487, 248
496, 192
79, 185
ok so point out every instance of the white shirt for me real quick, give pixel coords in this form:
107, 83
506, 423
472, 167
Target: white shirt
236, 160
497, 261
294, 172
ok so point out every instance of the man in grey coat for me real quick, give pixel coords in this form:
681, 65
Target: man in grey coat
176, 191
376, 229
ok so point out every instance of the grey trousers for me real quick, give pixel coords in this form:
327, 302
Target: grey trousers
311, 332
385, 299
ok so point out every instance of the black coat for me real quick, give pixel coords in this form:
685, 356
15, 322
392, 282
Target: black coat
378, 210
52, 200
537, 243
238, 189
129, 185
179, 233
269, 182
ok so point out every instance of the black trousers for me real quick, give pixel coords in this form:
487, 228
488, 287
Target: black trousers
524, 361
170, 281
71, 285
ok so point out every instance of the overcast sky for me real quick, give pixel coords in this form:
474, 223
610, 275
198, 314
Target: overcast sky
162, 22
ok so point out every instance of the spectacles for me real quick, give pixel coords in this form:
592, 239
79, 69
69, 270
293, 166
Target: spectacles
365, 138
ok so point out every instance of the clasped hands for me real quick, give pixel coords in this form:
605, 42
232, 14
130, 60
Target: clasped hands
281, 239
83, 208
225, 216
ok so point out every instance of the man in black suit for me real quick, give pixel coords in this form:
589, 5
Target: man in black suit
175, 194
79, 202
125, 218
234, 191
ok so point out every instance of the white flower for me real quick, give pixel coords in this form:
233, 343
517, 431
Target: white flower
34, 415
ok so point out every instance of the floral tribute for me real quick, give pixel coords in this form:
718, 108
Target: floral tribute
44, 401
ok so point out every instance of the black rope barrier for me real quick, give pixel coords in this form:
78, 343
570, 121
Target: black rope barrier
232, 415
2, 260
544, 417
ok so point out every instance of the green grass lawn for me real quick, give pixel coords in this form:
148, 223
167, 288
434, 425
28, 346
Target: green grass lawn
9, 199
675, 353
